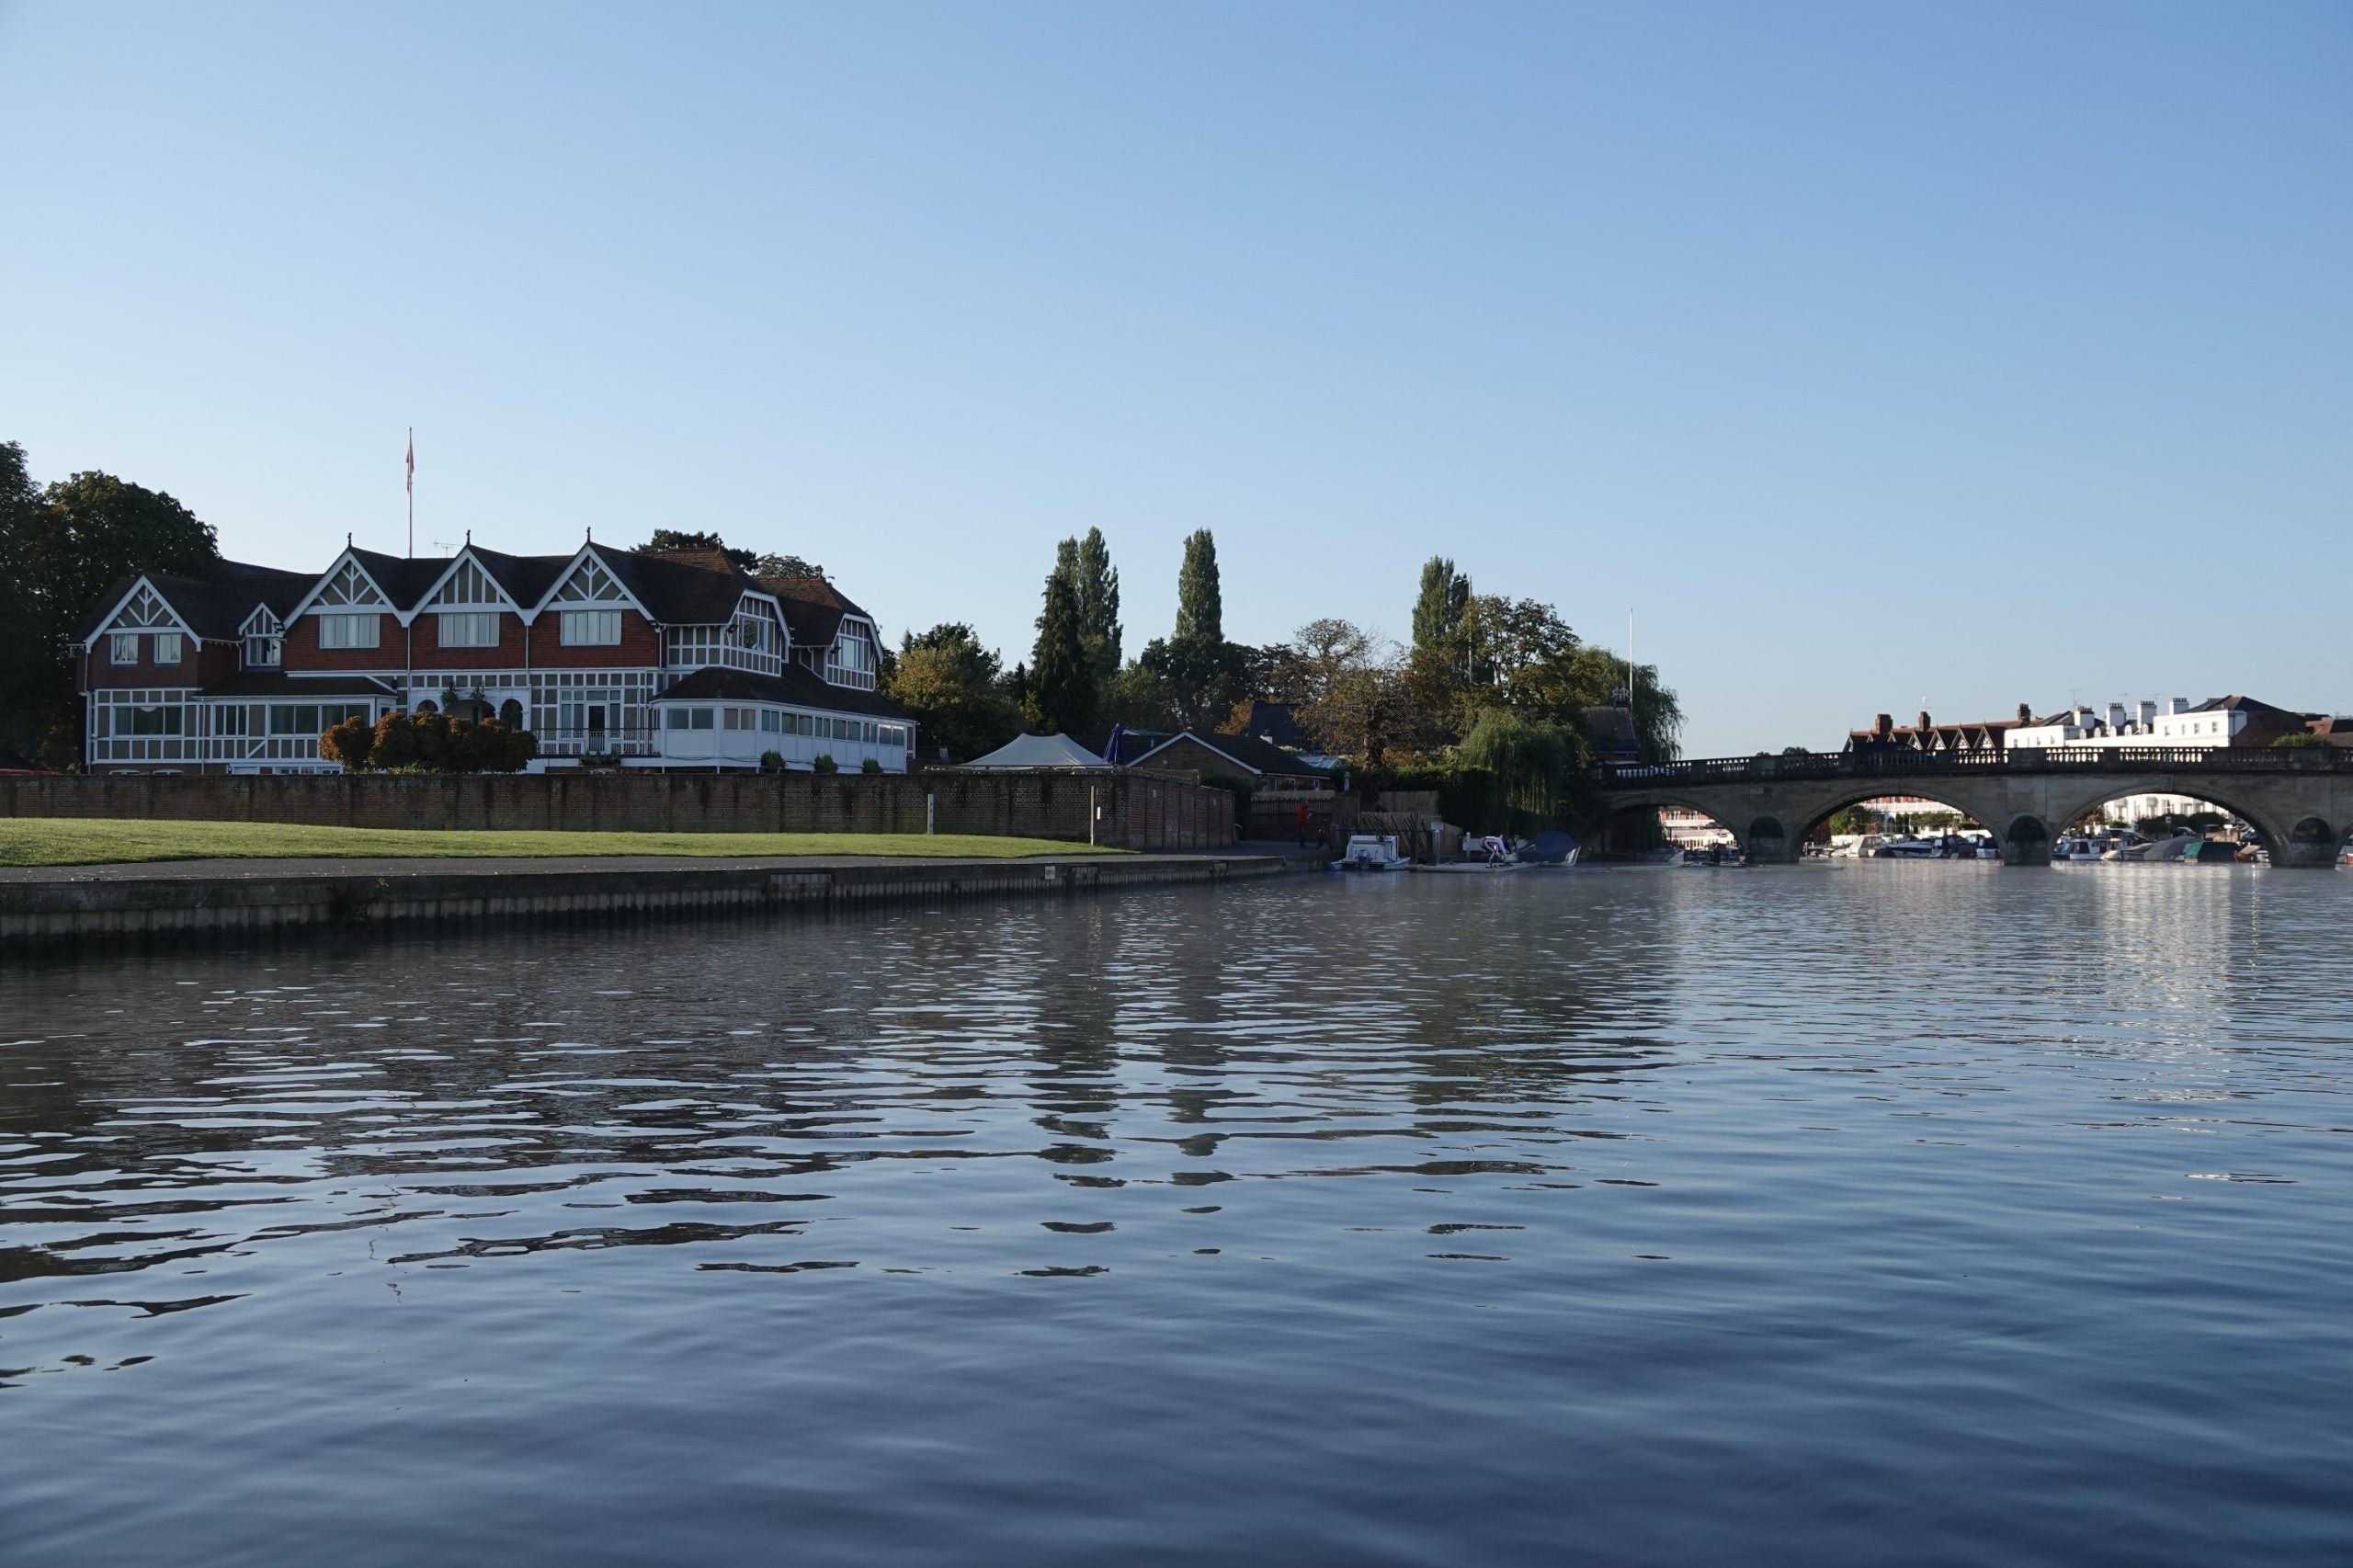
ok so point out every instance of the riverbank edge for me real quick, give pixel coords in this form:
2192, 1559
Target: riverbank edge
134, 903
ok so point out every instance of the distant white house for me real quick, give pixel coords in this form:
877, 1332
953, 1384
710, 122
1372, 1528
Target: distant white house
2218, 721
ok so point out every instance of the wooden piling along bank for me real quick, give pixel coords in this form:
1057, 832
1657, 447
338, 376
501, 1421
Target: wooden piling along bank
71, 905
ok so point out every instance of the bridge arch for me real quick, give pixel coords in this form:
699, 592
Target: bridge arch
1732, 822
1821, 808
2280, 839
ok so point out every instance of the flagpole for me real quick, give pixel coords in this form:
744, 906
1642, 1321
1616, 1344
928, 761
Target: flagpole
411, 490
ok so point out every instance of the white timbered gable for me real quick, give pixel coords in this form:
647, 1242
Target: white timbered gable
145, 611
348, 588
468, 587
590, 583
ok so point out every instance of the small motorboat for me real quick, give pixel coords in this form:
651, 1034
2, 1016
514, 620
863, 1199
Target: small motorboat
1909, 849
1371, 852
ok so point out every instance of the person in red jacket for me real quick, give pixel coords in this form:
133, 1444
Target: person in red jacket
1302, 823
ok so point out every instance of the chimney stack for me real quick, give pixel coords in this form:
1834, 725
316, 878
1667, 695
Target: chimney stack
1883, 726
2026, 714
1925, 726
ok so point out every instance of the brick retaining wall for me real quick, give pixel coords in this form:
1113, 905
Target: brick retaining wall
1139, 811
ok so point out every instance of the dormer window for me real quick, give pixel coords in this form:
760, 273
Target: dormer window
263, 651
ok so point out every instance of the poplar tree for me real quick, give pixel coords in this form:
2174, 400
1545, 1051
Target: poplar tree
1061, 675
1099, 603
1438, 611
1200, 610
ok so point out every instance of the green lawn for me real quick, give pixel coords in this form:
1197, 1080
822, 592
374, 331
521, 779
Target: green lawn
82, 841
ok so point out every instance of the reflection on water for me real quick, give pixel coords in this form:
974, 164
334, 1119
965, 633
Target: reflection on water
1880, 1212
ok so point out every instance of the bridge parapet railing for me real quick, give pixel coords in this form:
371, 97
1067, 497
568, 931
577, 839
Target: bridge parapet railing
1903, 763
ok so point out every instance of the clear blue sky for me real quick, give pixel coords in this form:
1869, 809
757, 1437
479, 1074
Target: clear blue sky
1873, 354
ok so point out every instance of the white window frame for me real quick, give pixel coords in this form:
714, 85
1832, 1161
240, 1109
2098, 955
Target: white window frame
340, 632
123, 648
168, 647
476, 628
578, 623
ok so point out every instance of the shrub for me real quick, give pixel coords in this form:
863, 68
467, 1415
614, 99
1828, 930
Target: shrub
771, 762
871, 765
825, 763
433, 743
349, 742
2298, 740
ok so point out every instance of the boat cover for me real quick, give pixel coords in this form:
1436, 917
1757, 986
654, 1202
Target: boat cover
1547, 849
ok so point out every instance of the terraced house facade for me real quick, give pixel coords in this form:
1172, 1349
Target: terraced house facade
614, 657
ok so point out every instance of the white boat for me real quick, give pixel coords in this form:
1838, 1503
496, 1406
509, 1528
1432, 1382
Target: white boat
1371, 852
1908, 849
2078, 846
1475, 867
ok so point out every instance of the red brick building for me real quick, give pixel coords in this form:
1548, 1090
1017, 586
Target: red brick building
640, 659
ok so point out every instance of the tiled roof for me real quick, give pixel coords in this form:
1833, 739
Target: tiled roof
277, 683
677, 592
526, 578
812, 608
2241, 705
1246, 751
1275, 722
214, 602
405, 579
797, 687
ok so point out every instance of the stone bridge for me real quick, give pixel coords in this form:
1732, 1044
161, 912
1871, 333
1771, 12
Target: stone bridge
2299, 800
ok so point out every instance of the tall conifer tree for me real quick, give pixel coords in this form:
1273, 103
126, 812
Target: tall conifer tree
1099, 603
1200, 609
1061, 675
1438, 611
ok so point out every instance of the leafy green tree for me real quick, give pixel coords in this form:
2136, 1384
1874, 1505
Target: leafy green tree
2300, 740
1438, 608
667, 541
1138, 697
955, 689
784, 570
1063, 698
61, 548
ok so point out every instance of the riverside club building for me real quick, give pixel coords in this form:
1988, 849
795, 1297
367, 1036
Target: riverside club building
636, 659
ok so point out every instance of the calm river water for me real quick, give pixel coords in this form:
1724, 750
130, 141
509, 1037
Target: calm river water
1876, 1213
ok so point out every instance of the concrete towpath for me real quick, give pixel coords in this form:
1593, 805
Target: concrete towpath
47, 905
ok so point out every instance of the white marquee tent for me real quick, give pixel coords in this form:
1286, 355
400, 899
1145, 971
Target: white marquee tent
1042, 751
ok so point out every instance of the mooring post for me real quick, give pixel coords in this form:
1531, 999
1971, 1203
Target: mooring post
930, 802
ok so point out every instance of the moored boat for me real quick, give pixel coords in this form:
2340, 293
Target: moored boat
1371, 852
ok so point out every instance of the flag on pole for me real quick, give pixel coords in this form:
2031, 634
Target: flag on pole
412, 461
